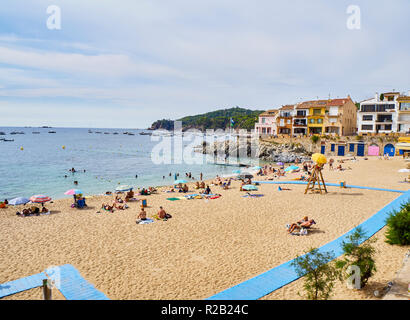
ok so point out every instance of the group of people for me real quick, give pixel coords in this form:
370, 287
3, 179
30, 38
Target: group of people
117, 204
161, 215
32, 211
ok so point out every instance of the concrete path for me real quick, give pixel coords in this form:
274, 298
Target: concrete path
400, 288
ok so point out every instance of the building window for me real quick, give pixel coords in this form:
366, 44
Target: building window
263, 120
301, 113
367, 127
311, 120
319, 120
316, 111
368, 118
405, 106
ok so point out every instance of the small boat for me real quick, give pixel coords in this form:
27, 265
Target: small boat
130, 134
125, 133
98, 132
106, 133
6, 140
35, 132
115, 133
2, 134
89, 131
52, 132
145, 133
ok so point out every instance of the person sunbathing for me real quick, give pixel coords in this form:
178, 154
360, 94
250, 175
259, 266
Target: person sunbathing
163, 215
142, 216
118, 199
202, 186
197, 185
301, 224
107, 207
44, 210
185, 188
27, 212
130, 195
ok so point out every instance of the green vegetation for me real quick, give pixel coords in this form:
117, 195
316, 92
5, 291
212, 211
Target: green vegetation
358, 255
382, 97
315, 139
320, 274
398, 226
220, 119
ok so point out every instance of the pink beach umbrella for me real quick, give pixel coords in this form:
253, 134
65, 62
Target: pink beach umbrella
72, 192
40, 198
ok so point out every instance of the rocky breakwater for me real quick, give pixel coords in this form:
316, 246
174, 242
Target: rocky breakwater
266, 151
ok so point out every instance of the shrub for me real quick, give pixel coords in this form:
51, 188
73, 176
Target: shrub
319, 273
398, 226
358, 255
315, 139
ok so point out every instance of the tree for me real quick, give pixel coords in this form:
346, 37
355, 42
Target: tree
398, 226
357, 254
315, 138
319, 273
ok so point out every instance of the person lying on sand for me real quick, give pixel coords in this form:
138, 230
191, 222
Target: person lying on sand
44, 210
107, 207
118, 199
303, 224
202, 185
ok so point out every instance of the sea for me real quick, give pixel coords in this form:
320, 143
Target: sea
39, 163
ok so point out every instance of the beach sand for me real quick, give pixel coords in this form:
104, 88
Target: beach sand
208, 245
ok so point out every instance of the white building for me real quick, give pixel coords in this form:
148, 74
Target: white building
378, 115
267, 123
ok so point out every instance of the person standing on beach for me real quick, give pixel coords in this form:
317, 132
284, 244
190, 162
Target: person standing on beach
200, 176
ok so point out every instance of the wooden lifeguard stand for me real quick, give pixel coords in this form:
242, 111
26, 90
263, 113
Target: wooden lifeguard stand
316, 177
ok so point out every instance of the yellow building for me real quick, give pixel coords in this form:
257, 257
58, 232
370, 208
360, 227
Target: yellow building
316, 117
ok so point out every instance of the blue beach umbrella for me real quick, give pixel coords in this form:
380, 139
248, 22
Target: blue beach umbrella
123, 188
249, 187
257, 168
236, 171
291, 168
180, 181
280, 163
18, 201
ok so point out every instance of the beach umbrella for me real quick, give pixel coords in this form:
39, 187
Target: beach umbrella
18, 201
249, 187
123, 188
180, 181
73, 192
236, 171
319, 158
40, 198
280, 163
256, 168
291, 168
245, 175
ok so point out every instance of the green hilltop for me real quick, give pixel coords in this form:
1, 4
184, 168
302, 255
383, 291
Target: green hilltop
219, 119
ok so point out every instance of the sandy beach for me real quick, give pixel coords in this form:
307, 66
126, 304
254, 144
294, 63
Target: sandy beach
208, 245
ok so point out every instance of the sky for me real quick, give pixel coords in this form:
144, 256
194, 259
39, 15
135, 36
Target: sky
125, 64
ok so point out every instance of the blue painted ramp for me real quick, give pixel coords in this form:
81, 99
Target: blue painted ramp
330, 185
23, 284
269, 281
74, 287
67, 279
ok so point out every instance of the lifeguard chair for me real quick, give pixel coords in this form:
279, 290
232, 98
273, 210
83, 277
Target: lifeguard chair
316, 176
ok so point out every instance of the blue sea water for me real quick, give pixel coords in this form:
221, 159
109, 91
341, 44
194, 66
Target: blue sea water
108, 160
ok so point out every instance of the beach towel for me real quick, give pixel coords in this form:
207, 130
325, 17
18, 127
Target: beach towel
173, 199
214, 197
253, 196
148, 221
